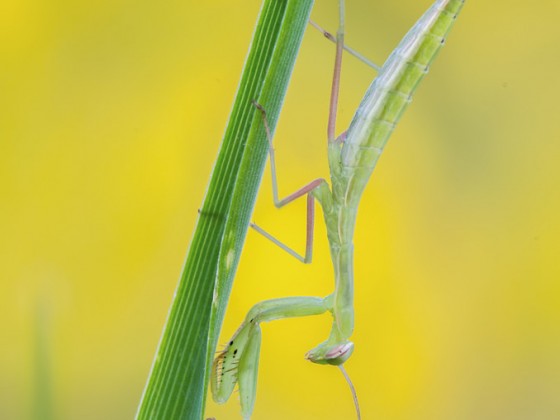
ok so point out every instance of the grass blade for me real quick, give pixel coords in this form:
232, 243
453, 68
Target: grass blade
178, 381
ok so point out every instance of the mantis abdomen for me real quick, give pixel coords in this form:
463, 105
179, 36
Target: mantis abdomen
389, 95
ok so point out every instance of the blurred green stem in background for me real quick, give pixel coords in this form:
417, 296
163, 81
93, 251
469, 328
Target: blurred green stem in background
178, 381
42, 406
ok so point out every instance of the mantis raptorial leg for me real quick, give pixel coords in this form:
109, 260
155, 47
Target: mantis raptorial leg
352, 158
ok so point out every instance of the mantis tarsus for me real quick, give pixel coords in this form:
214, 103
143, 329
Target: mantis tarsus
352, 158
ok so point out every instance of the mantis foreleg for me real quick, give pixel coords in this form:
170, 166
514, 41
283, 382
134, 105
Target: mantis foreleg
238, 362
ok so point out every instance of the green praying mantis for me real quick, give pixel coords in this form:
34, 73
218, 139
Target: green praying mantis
352, 157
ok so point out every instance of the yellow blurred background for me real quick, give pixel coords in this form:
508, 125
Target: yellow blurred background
111, 115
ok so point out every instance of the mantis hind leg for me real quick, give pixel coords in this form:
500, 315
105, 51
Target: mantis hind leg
317, 188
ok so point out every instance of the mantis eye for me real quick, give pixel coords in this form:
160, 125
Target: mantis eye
341, 351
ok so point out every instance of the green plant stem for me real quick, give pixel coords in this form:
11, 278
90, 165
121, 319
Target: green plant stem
178, 382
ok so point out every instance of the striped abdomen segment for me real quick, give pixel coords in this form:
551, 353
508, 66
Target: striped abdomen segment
390, 93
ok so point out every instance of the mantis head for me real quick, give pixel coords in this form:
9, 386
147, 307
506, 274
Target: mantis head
331, 354
336, 354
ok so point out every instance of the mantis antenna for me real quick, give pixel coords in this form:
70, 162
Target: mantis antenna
352, 389
352, 157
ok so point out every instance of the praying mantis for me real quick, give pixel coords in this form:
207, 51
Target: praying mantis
352, 157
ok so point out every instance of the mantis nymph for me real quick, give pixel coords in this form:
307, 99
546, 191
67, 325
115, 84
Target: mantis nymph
352, 158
